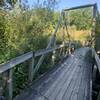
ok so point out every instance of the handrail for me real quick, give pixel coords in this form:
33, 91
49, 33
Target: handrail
31, 55
46, 51
15, 61
79, 7
20, 59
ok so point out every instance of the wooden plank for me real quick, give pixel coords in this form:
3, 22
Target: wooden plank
54, 53
81, 92
53, 77
73, 89
67, 83
52, 92
48, 82
86, 84
46, 51
13, 62
79, 7
20, 59
53, 58
90, 82
94, 25
31, 68
42, 81
56, 84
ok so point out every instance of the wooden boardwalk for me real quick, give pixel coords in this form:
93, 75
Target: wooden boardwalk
70, 80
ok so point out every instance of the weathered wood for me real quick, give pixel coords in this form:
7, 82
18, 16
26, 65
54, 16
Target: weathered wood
20, 59
94, 73
13, 62
54, 53
75, 87
10, 85
71, 80
97, 60
31, 69
79, 7
60, 90
94, 24
46, 51
1, 87
53, 57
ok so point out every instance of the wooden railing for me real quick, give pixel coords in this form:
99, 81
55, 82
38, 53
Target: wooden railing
95, 14
8, 66
51, 47
80, 7
97, 60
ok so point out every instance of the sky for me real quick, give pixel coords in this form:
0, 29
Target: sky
72, 3
62, 4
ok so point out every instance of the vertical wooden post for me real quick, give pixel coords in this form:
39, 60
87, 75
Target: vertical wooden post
53, 57
1, 85
54, 52
66, 26
98, 98
31, 69
10, 85
94, 23
94, 73
69, 48
63, 34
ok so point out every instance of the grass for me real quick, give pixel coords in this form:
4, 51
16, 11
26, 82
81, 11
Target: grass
80, 35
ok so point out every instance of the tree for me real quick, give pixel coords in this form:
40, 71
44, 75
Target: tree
81, 18
10, 2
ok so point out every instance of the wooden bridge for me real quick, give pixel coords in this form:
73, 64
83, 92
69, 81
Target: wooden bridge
70, 79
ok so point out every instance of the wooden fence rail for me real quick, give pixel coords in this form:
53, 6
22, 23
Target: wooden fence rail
31, 56
79, 7
20, 59
51, 47
8, 66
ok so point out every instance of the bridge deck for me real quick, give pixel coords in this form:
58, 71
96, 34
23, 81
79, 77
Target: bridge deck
71, 80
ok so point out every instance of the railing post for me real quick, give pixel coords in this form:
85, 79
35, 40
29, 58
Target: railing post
53, 57
94, 24
31, 68
10, 85
1, 86
64, 49
54, 52
69, 48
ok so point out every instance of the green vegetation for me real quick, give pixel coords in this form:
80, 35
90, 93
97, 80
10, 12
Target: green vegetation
23, 30
81, 18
